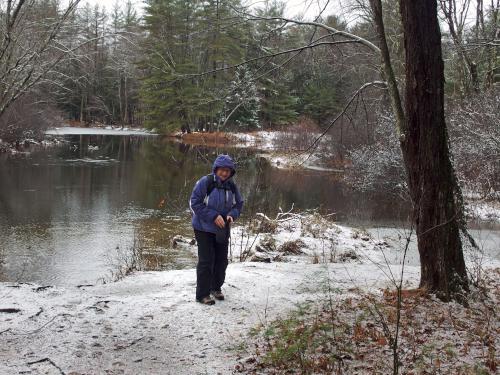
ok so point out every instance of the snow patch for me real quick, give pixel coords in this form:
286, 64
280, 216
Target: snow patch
97, 131
150, 322
484, 210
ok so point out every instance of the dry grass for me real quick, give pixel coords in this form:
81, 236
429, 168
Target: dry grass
207, 139
292, 247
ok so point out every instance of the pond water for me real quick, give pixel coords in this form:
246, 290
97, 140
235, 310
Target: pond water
69, 214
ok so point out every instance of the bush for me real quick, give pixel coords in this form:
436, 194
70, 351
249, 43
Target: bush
475, 145
27, 118
475, 135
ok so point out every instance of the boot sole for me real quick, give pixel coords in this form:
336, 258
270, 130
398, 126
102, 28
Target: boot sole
210, 303
218, 298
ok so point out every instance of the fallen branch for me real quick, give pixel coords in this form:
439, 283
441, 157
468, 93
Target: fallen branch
42, 288
10, 310
37, 314
46, 359
133, 342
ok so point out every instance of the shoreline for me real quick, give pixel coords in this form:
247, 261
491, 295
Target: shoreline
274, 146
149, 320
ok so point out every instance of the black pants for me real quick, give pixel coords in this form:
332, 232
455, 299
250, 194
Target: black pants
212, 264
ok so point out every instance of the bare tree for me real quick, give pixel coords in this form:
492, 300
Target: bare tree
30, 47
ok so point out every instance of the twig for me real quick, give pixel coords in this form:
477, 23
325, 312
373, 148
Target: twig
46, 359
37, 314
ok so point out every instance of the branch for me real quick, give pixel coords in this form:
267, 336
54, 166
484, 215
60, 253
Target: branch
359, 91
330, 29
302, 48
49, 361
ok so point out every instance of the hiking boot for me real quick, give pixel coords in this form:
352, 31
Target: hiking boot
206, 300
218, 295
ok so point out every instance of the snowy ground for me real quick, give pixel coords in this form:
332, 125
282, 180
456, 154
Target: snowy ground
97, 131
149, 322
484, 210
280, 149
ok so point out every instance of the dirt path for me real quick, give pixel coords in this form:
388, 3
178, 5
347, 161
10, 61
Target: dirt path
148, 322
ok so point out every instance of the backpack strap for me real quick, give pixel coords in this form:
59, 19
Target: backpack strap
212, 184
232, 187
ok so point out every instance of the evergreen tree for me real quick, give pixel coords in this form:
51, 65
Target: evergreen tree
185, 39
243, 102
167, 99
277, 105
319, 99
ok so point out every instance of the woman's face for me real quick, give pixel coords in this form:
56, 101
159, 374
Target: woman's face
223, 173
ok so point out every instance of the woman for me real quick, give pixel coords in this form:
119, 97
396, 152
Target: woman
215, 204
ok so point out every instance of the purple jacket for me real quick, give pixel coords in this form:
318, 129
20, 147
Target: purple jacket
221, 200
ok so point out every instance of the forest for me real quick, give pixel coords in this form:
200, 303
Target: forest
211, 66
359, 140
190, 65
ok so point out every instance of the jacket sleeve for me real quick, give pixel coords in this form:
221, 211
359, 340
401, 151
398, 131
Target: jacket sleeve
197, 201
238, 205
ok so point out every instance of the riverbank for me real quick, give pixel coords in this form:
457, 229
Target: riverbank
149, 321
107, 130
372, 333
55, 136
296, 148
24, 146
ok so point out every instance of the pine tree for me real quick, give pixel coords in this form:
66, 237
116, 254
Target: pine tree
166, 97
185, 39
277, 105
243, 102
319, 100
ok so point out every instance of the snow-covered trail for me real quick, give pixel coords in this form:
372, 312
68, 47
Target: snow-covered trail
149, 322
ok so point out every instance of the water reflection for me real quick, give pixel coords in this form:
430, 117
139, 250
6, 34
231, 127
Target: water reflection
65, 211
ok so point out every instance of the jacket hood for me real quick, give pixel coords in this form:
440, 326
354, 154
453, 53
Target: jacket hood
224, 161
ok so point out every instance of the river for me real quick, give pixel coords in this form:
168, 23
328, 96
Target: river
70, 213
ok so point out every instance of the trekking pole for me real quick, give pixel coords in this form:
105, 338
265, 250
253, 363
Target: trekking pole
230, 242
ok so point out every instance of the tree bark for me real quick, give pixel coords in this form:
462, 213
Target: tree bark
125, 93
426, 154
120, 95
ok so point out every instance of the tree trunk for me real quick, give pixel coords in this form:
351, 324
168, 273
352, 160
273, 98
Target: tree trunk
427, 157
82, 107
125, 94
120, 96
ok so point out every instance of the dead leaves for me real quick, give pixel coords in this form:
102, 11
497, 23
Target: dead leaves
349, 337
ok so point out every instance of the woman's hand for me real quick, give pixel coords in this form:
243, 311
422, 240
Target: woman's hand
230, 219
219, 221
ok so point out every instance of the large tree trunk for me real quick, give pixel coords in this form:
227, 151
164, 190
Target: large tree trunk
426, 153
125, 93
